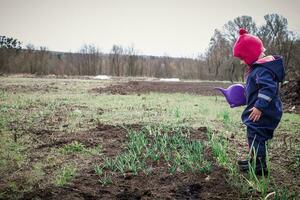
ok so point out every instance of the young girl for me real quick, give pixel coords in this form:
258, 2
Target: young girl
264, 109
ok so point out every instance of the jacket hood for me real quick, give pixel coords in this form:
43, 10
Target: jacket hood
275, 66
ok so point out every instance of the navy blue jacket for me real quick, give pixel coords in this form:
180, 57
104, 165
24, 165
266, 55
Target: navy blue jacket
262, 88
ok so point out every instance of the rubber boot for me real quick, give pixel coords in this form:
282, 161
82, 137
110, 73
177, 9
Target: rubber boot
244, 162
260, 166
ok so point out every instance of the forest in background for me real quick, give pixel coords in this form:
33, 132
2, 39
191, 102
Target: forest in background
217, 63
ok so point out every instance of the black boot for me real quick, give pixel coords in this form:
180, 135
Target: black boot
244, 162
260, 166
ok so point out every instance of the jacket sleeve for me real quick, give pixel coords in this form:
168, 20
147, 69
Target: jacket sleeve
267, 88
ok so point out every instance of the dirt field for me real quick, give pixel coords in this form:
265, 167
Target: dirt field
290, 92
56, 131
138, 87
158, 185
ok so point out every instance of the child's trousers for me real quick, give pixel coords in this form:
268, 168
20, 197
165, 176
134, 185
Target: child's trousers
257, 141
258, 145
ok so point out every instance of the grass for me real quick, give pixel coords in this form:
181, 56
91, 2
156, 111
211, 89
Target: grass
221, 152
65, 175
76, 147
297, 157
155, 145
106, 179
98, 170
225, 117
219, 147
71, 108
260, 183
12, 156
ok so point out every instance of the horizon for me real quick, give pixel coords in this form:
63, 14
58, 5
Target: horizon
156, 28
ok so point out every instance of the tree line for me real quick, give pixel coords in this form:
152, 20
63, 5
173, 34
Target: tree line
274, 33
216, 64
89, 60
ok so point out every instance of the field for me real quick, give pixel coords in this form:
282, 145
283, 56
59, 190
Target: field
133, 139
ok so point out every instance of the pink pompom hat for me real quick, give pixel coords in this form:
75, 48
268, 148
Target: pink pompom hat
248, 47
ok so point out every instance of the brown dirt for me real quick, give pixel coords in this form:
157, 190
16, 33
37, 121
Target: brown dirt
110, 137
29, 88
138, 87
290, 92
158, 185
290, 95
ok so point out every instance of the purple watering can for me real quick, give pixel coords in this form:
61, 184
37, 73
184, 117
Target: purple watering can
234, 94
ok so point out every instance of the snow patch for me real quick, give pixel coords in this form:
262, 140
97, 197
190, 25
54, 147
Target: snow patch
102, 77
170, 79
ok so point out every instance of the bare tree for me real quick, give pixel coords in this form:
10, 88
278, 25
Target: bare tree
132, 59
90, 60
218, 52
115, 59
9, 48
201, 65
30, 54
42, 58
231, 28
278, 39
294, 70
216, 63
166, 66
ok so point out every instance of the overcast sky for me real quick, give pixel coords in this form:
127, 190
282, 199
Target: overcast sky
154, 27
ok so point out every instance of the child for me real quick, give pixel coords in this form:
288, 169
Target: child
264, 109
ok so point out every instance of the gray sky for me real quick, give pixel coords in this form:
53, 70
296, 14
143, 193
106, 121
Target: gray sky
154, 27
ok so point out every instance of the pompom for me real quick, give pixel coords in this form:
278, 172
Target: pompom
242, 31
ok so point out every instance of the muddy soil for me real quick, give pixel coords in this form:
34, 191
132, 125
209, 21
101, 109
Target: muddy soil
158, 185
290, 92
138, 87
29, 88
110, 137
290, 95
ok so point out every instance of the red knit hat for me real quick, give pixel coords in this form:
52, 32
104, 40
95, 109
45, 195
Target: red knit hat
247, 47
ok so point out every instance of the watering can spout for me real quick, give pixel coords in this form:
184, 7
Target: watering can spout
224, 91
234, 94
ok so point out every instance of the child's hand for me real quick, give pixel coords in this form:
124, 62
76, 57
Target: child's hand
255, 114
